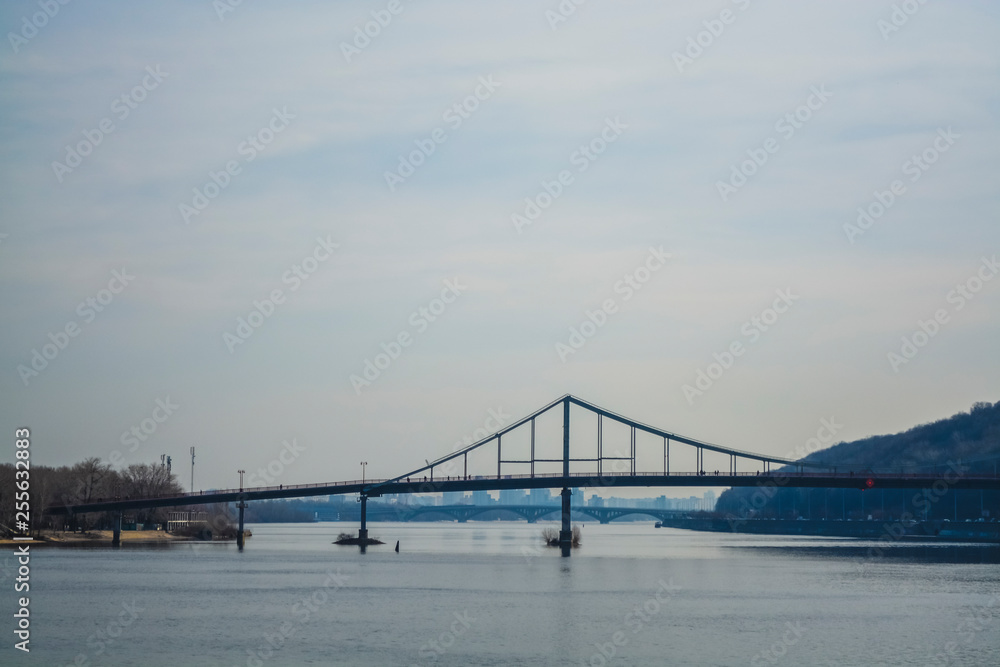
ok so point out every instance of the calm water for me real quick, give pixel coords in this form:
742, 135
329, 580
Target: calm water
485, 594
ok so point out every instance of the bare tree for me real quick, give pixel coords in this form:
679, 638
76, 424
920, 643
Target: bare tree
147, 480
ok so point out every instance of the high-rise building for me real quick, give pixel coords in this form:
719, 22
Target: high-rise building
453, 498
513, 497
708, 501
539, 497
481, 498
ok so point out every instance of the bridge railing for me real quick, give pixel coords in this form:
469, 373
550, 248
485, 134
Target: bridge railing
280, 487
857, 474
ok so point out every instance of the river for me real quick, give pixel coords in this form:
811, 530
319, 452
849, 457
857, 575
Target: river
488, 594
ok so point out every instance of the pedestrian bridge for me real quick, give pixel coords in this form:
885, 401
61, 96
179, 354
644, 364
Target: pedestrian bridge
605, 449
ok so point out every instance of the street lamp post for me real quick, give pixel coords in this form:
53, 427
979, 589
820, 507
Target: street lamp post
363, 464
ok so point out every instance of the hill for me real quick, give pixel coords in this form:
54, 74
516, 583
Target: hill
971, 438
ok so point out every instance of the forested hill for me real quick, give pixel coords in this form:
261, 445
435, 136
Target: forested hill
972, 437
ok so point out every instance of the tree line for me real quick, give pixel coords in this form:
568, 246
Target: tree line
90, 480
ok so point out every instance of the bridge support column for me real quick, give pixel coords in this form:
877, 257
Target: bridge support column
239, 531
566, 534
116, 540
363, 532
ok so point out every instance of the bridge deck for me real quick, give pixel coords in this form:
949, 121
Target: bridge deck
548, 481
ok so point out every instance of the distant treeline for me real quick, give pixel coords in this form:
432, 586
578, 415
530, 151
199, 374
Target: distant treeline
87, 481
967, 443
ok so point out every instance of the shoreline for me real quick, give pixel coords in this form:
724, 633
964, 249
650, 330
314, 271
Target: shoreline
943, 532
105, 537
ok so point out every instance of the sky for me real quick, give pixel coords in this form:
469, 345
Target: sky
749, 223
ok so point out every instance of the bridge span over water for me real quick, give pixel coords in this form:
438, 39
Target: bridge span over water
611, 451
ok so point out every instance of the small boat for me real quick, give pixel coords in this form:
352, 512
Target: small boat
658, 524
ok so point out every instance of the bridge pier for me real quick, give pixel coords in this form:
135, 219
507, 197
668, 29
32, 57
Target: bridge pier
116, 540
239, 531
566, 534
363, 532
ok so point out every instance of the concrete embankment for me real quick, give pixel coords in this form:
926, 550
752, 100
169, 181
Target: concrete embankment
934, 530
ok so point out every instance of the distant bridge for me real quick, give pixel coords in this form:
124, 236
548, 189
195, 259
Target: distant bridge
587, 462
533, 513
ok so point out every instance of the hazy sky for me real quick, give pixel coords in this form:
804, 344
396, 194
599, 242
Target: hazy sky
174, 163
